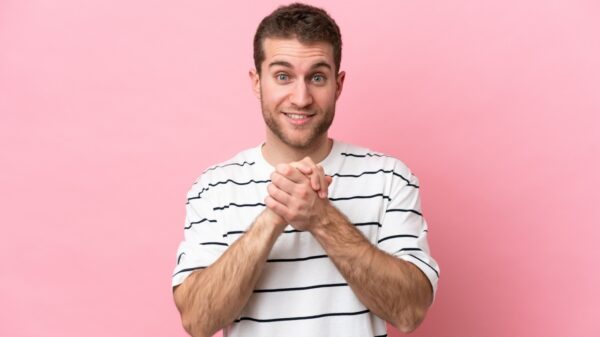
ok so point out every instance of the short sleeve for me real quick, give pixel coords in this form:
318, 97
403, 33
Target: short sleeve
203, 241
404, 229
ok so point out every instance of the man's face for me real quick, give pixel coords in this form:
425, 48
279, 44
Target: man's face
298, 88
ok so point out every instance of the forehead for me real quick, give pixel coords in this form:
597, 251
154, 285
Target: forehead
297, 53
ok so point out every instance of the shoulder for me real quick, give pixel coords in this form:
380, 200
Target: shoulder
372, 160
231, 168
365, 156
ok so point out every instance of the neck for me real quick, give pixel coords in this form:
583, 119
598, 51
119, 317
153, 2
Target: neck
276, 152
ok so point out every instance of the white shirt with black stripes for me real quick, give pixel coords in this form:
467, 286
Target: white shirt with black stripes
301, 293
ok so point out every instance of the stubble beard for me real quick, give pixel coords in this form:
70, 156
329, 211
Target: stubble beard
320, 129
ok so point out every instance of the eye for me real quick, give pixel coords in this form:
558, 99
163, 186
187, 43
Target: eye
318, 78
282, 77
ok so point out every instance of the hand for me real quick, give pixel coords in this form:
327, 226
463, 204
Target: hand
291, 196
318, 180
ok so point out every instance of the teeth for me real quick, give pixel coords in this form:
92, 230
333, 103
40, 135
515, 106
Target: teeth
296, 116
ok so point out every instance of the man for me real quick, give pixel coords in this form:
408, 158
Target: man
276, 245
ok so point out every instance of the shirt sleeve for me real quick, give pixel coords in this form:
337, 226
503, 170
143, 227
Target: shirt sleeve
404, 230
203, 241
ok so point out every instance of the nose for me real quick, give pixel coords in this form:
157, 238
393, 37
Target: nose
301, 96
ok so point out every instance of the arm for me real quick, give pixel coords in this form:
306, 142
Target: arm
393, 289
210, 299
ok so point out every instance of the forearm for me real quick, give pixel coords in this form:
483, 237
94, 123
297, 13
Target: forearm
391, 288
210, 299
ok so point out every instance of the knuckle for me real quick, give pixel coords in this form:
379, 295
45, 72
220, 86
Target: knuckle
308, 161
275, 178
303, 192
282, 169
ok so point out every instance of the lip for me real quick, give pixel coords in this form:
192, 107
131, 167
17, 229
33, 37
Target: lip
306, 117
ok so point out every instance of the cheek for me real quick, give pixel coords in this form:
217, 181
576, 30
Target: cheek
324, 97
273, 94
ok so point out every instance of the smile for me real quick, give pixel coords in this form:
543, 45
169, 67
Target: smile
298, 119
297, 116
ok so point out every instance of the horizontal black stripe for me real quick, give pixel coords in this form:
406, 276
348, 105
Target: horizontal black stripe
251, 181
375, 172
299, 258
197, 222
213, 243
368, 154
301, 288
233, 232
428, 265
242, 232
300, 317
403, 210
231, 164
188, 269
367, 224
381, 335
237, 205
361, 197
298, 231
397, 236
198, 196
411, 249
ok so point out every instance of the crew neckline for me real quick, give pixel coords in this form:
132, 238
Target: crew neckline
334, 152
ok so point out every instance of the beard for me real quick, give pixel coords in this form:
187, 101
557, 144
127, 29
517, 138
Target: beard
314, 133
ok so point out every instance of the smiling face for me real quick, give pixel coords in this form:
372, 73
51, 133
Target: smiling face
298, 88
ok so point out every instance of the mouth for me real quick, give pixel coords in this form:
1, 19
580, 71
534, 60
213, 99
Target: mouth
298, 118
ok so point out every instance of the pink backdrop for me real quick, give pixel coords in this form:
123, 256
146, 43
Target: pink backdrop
110, 109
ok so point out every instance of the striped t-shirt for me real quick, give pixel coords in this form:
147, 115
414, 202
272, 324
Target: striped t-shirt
301, 293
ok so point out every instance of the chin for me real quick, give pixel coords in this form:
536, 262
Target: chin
301, 142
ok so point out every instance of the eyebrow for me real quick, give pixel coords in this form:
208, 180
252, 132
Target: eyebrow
289, 65
321, 64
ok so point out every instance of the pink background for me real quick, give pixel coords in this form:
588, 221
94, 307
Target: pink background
110, 109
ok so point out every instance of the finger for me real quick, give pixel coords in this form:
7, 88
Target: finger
305, 169
328, 180
291, 173
322, 182
314, 181
308, 161
310, 169
282, 182
276, 207
278, 194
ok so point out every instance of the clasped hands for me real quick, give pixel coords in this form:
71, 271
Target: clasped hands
298, 194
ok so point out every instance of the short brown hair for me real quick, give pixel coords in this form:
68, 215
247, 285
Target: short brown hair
301, 21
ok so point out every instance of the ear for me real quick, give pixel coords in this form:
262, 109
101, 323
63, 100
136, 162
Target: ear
255, 82
339, 80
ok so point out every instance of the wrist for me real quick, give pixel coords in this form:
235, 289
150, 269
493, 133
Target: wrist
270, 219
325, 221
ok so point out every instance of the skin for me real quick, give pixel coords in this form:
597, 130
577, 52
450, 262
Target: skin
297, 78
300, 79
407, 293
